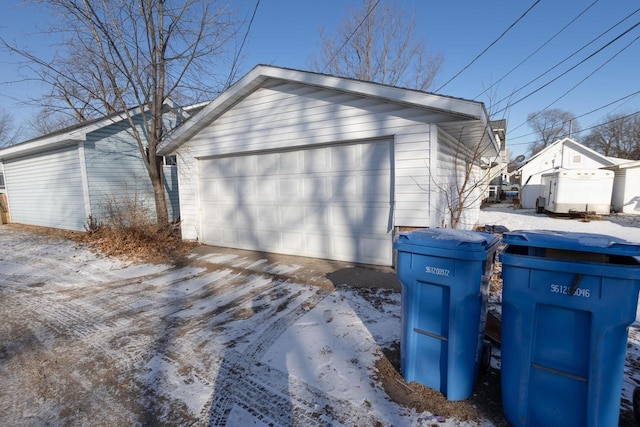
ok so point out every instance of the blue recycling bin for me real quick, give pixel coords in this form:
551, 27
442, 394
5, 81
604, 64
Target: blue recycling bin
567, 301
445, 277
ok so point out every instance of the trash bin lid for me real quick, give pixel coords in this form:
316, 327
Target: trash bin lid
448, 238
572, 241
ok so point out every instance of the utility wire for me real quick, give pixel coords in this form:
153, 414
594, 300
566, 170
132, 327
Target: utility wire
593, 72
570, 69
589, 128
537, 50
350, 36
584, 114
244, 39
488, 47
570, 56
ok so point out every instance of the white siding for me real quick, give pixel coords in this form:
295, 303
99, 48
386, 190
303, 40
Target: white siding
626, 191
171, 191
449, 183
565, 155
293, 115
46, 189
115, 169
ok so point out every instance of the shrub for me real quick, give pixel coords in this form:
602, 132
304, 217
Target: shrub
128, 230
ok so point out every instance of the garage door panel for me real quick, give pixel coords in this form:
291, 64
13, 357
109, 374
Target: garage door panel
293, 242
316, 161
321, 202
315, 187
344, 158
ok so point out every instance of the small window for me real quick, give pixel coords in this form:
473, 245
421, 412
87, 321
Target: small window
577, 158
170, 161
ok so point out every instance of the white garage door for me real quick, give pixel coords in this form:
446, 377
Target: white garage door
330, 202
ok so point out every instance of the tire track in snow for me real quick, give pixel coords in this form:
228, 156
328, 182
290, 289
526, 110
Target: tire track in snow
243, 381
275, 398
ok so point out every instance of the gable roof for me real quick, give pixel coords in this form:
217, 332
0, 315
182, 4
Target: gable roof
626, 164
72, 134
606, 161
468, 118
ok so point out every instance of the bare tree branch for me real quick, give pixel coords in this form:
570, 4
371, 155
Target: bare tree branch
126, 56
378, 43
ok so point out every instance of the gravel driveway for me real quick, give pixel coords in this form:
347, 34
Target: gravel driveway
225, 340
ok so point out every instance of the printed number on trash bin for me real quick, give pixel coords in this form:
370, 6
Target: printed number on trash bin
561, 289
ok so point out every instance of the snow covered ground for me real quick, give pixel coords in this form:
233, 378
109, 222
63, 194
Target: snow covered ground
86, 340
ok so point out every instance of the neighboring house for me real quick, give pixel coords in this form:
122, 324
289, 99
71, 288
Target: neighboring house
626, 187
562, 154
59, 180
301, 163
3, 187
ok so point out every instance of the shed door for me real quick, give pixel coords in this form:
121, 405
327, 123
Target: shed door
331, 202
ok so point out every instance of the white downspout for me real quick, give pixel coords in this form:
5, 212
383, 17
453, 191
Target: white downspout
85, 179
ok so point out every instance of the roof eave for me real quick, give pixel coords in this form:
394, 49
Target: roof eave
458, 107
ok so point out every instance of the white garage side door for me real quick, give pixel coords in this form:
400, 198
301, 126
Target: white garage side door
332, 202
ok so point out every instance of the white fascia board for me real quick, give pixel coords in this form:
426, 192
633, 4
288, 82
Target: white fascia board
256, 77
40, 145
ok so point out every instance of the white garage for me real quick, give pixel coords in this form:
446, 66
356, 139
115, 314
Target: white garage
300, 163
328, 202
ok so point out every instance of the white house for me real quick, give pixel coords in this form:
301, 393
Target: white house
562, 154
301, 163
626, 187
59, 180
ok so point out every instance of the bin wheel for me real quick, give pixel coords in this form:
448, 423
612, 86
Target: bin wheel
636, 404
485, 361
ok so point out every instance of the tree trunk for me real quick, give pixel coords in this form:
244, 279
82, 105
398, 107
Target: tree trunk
156, 176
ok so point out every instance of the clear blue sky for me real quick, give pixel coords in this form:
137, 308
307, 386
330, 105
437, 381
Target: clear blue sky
285, 33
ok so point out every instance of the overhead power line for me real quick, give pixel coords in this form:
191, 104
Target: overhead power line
584, 114
569, 57
244, 39
350, 36
489, 47
537, 50
569, 70
589, 128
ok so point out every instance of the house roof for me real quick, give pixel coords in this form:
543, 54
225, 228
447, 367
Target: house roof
606, 161
626, 164
72, 134
468, 118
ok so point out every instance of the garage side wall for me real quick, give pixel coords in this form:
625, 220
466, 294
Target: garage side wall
287, 115
626, 196
46, 189
115, 170
450, 178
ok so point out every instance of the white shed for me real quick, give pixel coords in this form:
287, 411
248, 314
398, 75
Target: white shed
59, 179
301, 163
626, 188
562, 154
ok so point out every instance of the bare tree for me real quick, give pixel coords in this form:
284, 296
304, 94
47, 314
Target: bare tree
130, 57
464, 187
551, 125
378, 43
618, 135
8, 134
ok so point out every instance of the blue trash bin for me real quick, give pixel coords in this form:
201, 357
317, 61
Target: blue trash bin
445, 277
567, 301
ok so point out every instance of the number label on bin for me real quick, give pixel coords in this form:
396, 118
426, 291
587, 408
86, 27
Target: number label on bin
438, 271
579, 292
